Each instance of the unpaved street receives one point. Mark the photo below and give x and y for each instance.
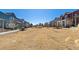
(41, 39)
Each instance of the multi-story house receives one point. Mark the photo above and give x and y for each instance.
(10, 21)
(68, 19)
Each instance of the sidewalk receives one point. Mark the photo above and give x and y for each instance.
(3, 33)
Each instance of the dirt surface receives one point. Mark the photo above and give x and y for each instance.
(41, 39)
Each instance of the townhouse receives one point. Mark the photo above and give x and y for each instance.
(10, 21)
(69, 19)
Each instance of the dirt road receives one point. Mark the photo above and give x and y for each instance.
(41, 39)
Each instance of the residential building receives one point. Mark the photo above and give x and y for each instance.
(69, 19)
(10, 21)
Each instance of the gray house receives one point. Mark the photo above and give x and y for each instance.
(10, 21)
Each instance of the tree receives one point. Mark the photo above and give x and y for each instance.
(40, 24)
(31, 25)
(46, 24)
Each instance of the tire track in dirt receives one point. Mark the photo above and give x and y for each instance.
(56, 39)
(41, 39)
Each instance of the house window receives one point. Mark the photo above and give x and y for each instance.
(65, 16)
(11, 18)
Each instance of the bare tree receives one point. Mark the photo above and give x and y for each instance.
(46, 24)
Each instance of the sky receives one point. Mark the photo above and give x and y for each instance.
(36, 16)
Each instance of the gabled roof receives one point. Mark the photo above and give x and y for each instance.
(10, 14)
(1, 12)
(77, 11)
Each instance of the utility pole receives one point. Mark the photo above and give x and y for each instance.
(3, 25)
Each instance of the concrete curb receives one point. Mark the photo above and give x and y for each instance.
(3, 33)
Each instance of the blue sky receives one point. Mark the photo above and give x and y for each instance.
(36, 16)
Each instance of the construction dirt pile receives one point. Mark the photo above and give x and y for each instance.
(41, 38)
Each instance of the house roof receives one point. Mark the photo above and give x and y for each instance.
(10, 14)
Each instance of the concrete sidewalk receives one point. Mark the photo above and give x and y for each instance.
(3, 33)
